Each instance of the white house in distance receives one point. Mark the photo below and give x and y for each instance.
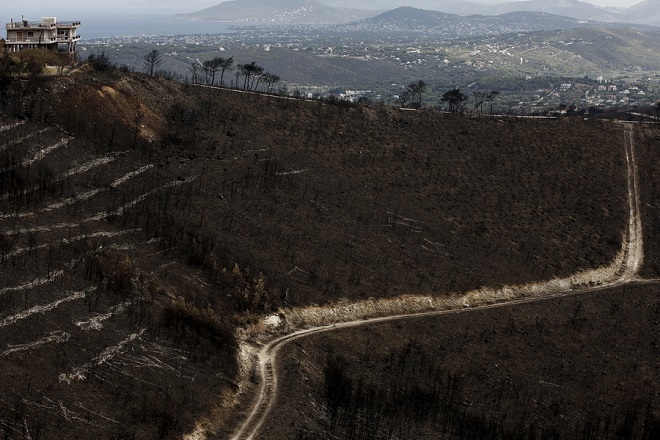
(46, 34)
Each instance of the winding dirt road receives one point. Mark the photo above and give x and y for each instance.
(625, 270)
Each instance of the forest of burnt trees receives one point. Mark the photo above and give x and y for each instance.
(542, 371)
(251, 196)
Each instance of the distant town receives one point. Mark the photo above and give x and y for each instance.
(577, 70)
(536, 72)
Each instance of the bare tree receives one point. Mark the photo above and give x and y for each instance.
(404, 97)
(226, 65)
(100, 62)
(209, 72)
(194, 71)
(258, 76)
(250, 73)
(270, 79)
(455, 98)
(215, 65)
(421, 88)
(490, 97)
(479, 98)
(152, 61)
(245, 70)
(417, 88)
(257, 73)
(61, 61)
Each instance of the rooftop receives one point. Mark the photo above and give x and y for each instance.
(45, 23)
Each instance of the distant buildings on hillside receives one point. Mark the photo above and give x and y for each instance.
(593, 95)
(45, 34)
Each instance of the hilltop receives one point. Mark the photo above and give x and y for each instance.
(144, 221)
(440, 24)
(343, 11)
(287, 11)
(647, 11)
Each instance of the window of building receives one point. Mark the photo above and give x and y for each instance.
(30, 34)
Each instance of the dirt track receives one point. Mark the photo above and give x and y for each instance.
(622, 271)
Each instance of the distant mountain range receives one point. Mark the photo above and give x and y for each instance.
(344, 11)
(407, 19)
(568, 8)
(647, 11)
(533, 15)
(279, 12)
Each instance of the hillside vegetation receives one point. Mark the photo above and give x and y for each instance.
(142, 221)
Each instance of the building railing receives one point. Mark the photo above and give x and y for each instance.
(71, 38)
(43, 40)
(40, 25)
(31, 40)
(27, 25)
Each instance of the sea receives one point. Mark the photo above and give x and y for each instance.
(126, 22)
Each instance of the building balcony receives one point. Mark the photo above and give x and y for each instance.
(25, 25)
(40, 25)
(69, 39)
(68, 24)
(30, 40)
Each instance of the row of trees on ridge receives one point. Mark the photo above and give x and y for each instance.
(206, 72)
(210, 72)
(248, 76)
(455, 99)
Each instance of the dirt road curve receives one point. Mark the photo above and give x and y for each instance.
(626, 271)
(635, 250)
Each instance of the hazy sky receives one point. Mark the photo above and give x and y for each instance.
(51, 8)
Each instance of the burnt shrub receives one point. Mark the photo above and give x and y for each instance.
(200, 332)
(116, 272)
(100, 62)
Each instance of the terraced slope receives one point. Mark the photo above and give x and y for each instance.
(95, 342)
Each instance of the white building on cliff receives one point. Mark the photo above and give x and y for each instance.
(46, 34)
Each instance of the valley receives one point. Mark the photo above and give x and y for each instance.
(604, 68)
